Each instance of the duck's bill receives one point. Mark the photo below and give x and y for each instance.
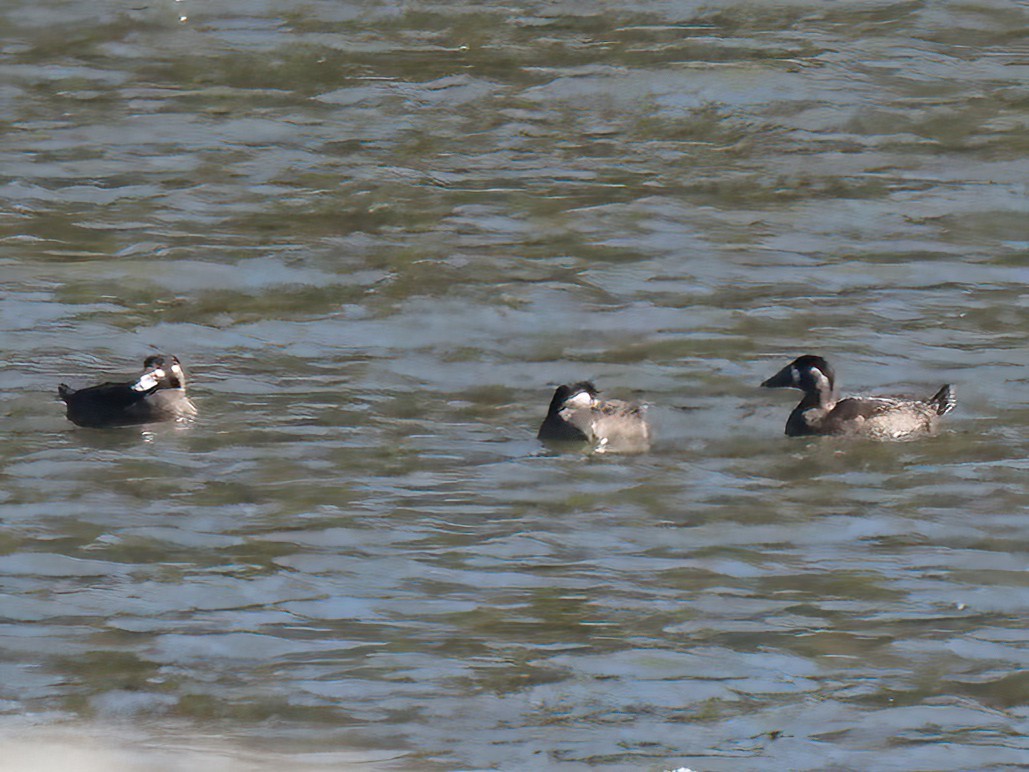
(149, 380)
(782, 379)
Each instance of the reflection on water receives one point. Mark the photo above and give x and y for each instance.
(378, 237)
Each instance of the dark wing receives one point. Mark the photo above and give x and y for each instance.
(862, 408)
(102, 405)
(944, 400)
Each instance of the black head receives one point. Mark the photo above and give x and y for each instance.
(162, 371)
(569, 393)
(808, 373)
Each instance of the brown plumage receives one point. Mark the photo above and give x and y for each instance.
(883, 418)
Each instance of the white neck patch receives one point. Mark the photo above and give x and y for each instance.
(147, 381)
(580, 400)
(821, 381)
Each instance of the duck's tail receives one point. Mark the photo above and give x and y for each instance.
(64, 392)
(944, 400)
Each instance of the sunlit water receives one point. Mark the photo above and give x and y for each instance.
(378, 236)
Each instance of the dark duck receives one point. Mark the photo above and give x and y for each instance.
(158, 394)
(577, 414)
(883, 418)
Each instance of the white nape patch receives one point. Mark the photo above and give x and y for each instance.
(820, 379)
(795, 372)
(580, 399)
(177, 370)
(147, 381)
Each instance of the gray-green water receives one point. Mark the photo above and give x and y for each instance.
(378, 235)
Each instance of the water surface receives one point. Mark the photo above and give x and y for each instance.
(378, 235)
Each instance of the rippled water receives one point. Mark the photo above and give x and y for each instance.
(378, 235)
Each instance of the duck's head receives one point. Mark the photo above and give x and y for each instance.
(574, 395)
(161, 371)
(808, 373)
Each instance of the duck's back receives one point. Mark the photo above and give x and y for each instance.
(108, 404)
(621, 426)
(882, 418)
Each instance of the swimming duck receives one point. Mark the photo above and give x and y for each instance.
(612, 426)
(159, 394)
(884, 418)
